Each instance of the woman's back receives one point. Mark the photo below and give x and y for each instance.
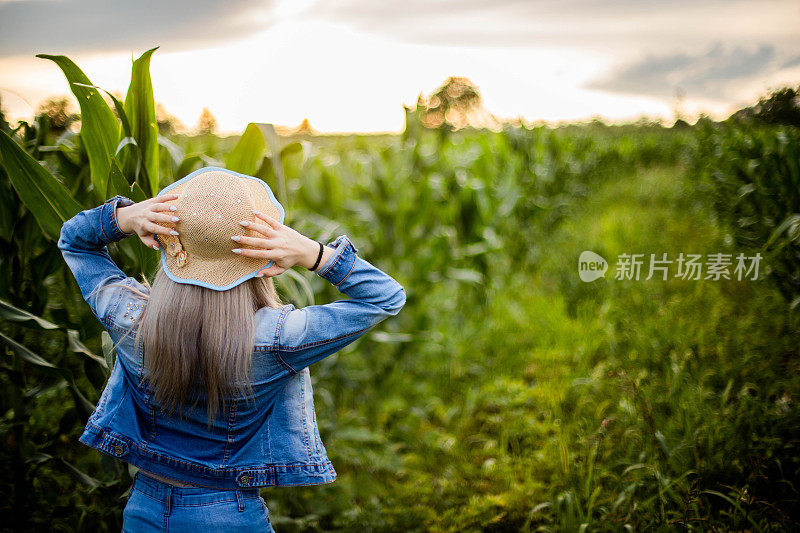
(269, 438)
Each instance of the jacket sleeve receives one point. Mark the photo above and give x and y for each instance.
(312, 333)
(83, 243)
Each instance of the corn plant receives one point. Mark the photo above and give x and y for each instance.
(753, 176)
(45, 181)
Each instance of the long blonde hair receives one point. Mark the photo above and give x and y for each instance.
(198, 339)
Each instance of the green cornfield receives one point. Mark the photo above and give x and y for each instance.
(508, 395)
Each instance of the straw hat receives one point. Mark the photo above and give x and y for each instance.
(211, 203)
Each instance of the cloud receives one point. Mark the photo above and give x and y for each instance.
(650, 24)
(70, 26)
(793, 62)
(476, 22)
(714, 74)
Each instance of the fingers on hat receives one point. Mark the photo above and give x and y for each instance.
(155, 229)
(163, 197)
(257, 253)
(162, 207)
(266, 218)
(150, 242)
(261, 228)
(273, 270)
(159, 217)
(255, 241)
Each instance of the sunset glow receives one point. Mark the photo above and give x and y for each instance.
(300, 61)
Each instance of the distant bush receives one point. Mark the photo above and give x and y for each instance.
(781, 107)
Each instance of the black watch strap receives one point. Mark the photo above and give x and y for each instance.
(319, 257)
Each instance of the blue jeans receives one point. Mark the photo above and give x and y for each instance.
(157, 506)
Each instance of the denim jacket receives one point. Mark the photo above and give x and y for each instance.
(268, 439)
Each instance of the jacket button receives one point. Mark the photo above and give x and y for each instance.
(118, 450)
(245, 480)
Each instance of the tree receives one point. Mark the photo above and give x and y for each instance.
(59, 111)
(167, 123)
(782, 106)
(305, 128)
(206, 124)
(456, 103)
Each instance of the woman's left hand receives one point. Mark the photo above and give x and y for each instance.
(281, 244)
(143, 217)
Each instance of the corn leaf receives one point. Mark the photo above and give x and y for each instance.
(190, 162)
(40, 191)
(15, 314)
(24, 353)
(271, 137)
(126, 126)
(141, 112)
(99, 127)
(175, 152)
(77, 346)
(247, 153)
(33, 359)
(117, 184)
(108, 350)
(81, 476)
(135, 248)
(246, 156)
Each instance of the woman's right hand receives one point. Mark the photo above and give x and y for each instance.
(281, 244)
(143, 218)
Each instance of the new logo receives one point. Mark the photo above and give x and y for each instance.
(591, 266)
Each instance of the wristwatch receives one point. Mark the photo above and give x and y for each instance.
(120, 201)
(124, 201)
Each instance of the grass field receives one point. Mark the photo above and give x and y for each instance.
(650, 404)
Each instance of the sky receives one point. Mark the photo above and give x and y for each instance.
(351, 65)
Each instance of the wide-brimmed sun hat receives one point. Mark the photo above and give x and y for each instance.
(210, 205)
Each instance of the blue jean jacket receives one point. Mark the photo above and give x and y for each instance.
(268, 439)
